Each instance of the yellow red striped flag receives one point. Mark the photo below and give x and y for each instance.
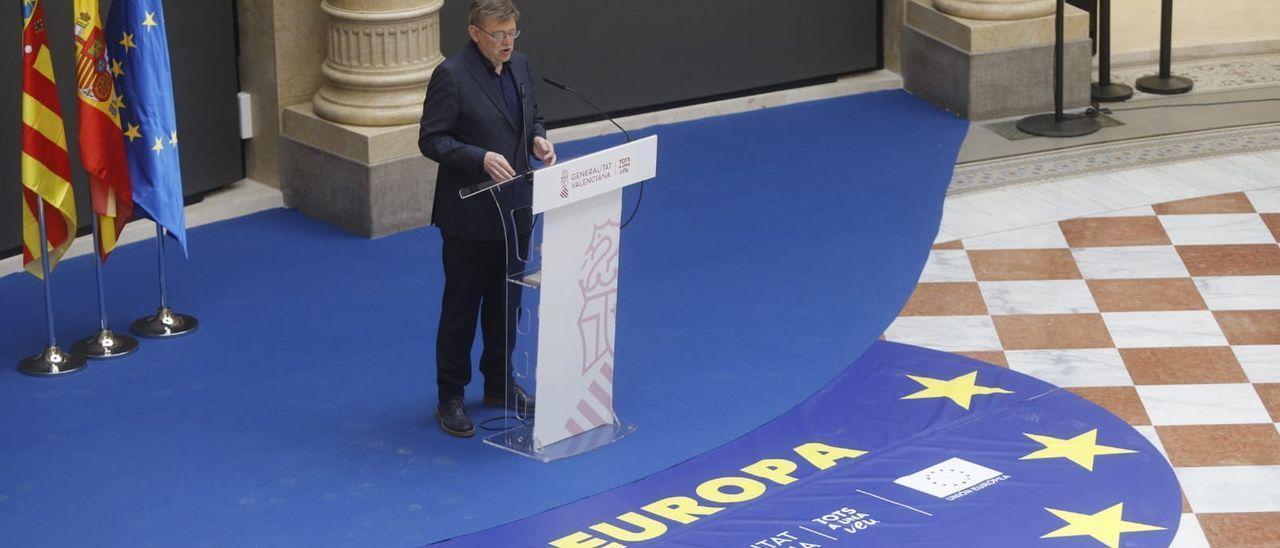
(46, 168)
(101, 138)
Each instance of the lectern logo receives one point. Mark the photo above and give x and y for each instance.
(598, 286)
(564, 183)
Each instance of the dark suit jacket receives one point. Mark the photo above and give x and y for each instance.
(464, 116)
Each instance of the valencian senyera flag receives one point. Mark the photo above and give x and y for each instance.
(101, 140)
(46, 168)
(136, 39)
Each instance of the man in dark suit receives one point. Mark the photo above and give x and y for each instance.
(480, 121)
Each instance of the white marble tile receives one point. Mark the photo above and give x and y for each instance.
(1072, 368)
(947, 265)
(1152, 436)
(1266, 200)
(967, 215)
(1270, 156)
(1038, 297)
(1190, 534)
(1112, 192)
(1143, 211)
(1224, 229)
(1240, 292)
(1102, 263)
(1261, 363)
(1170, 404)
(944, 235)
(1164, 329)
(1062, 200)
(1219, 175)
(948, 333)
(1156, 185)
(1040, 236)
(1246, 171)
(1225, 489)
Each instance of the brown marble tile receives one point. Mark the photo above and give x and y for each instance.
(1235, 202)
(992, 357)
(1250, 326)
(1146, 295)
(1270, 394)
(1052, 331)
(1122, 401)
(1114, 231)
(1273, 222)
(1241, 530)
(945, 299)
(1221, 444)
(1186, 504)
(953, 244)
(1231, 260)
(990, 265)
(1188, 365)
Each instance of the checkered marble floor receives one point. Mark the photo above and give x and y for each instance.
(1166, 314)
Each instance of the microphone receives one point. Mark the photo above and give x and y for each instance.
(564, 87)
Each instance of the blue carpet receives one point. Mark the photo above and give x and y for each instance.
(770, 252)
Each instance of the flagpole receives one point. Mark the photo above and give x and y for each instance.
(165, 323)
(105, 345)
(53, 361)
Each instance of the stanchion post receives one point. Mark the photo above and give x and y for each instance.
(105, 345)
(1165, 83)
(1058, 124)
(53, 361)
(1105, 91)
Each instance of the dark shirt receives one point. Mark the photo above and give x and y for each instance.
(506, 84)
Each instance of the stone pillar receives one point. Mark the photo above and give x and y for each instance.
(350, 157)
(996, 10)
(381, 53)
(985, 59)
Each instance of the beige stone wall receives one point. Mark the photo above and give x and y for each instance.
(282, 45)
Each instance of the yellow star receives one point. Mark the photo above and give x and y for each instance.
(117, 101)
(132, 133)
(159, 146)
(150, 21)
(117, 68)
(173, 140)
(960, 390)
(1105, 526)
(1080, 449)
(127, 42)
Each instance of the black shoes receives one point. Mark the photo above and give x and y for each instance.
(515, 398)
(454, 420)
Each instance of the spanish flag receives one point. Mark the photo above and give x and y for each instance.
(46, 168)
(101, 136)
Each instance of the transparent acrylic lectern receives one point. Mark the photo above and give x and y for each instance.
(564, 278)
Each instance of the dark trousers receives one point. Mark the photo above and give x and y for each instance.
(475, 281)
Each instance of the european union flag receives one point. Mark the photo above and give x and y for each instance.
(139, 49)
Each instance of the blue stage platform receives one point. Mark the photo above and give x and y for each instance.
(769, 254)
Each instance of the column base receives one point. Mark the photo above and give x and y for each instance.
(370, 181)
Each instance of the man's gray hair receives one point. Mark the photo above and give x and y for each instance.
(497, 10)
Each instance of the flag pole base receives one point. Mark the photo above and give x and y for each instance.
(105, 346)
(1159, 85)
(53, 362)
(1049, 125)
(165, 324)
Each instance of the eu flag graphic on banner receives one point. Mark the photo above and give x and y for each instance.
(137, 40)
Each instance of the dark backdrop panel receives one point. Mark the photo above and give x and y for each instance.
(202, 50)
(629, 55)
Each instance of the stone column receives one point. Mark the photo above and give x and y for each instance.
(985, 59)
(996, 10)
(350, 156)
(381, 53)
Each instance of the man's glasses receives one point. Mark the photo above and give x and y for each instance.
(500, 36)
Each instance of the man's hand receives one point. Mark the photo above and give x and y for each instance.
(544, 150)
(497, 167)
